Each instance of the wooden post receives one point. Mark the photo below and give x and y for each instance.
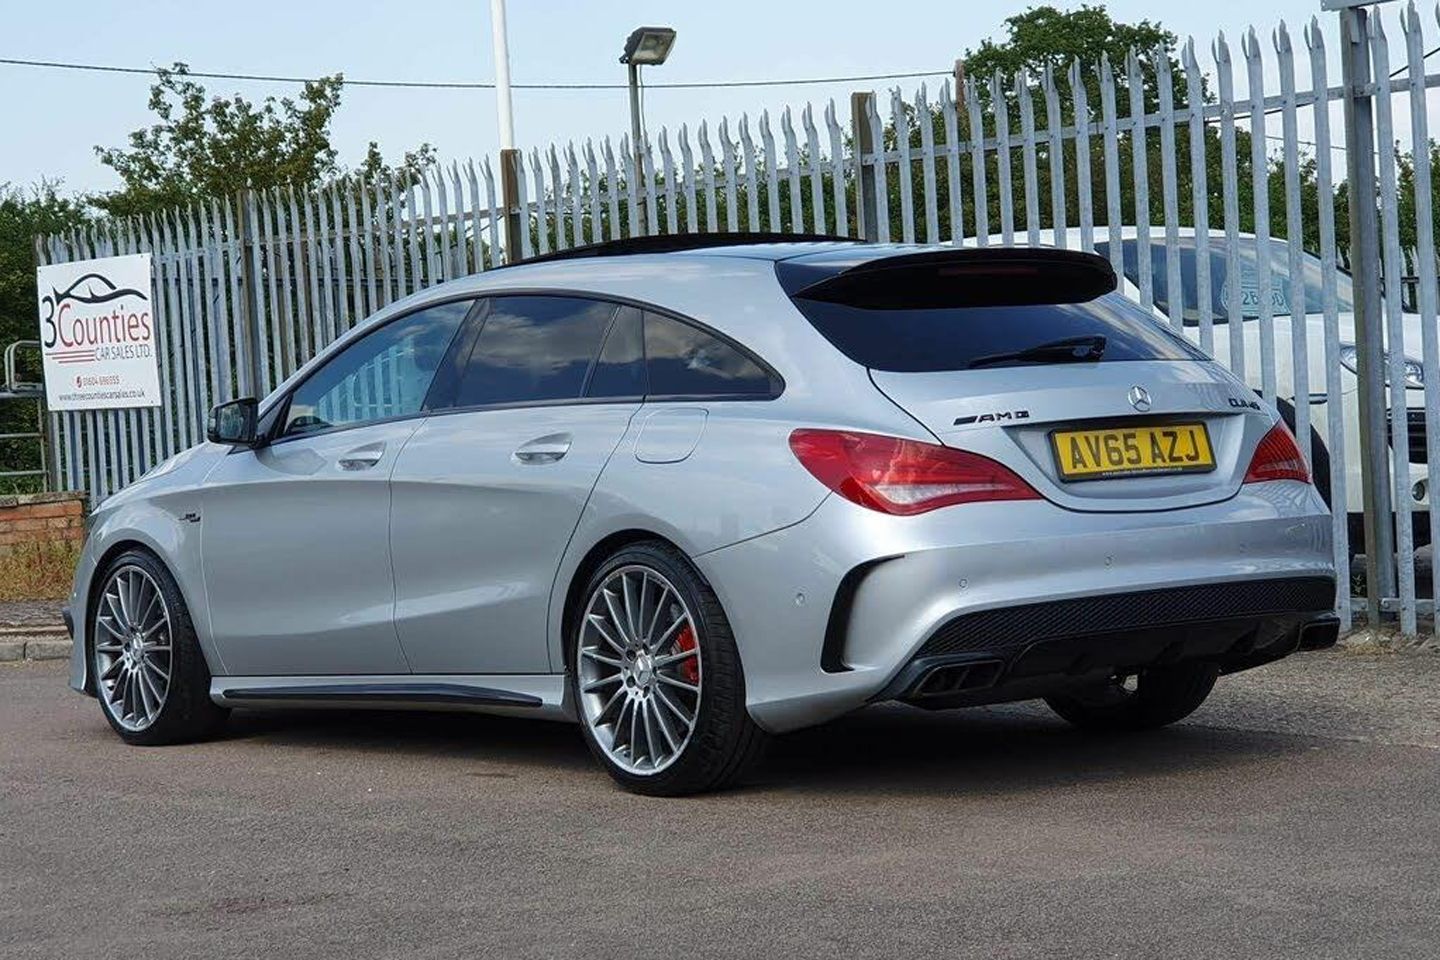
(510, 201)
(863, 142)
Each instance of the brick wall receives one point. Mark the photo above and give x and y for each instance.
(40, 518)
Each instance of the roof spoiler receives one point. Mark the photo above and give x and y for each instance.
(963, 277)
(677, 242)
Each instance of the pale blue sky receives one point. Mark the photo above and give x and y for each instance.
(52, 119)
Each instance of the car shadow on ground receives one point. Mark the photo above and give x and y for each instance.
(891, 749)
(454, 736)
(998, 751)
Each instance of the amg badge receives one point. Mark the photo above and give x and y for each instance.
(997, 417)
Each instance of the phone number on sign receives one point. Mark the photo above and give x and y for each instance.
(103, 380)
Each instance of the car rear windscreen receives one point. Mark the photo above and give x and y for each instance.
(930, 339)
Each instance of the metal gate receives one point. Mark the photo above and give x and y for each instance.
(1218, 206)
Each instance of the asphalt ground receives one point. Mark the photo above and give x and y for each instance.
(1297, 814)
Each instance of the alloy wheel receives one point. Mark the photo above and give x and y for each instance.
(133, 655)
(639, 669)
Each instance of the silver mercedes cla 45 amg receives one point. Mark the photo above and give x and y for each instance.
(691, 492)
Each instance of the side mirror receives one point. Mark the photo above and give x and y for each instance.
(233, 422)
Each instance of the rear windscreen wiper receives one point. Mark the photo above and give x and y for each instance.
(1066, 350)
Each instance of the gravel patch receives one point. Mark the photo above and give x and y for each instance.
(1341, 694)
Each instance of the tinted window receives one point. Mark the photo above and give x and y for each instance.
(620, 371)
(686, 361)
(1309, 291)
(532, 349)
(953, 338)
(384, 374)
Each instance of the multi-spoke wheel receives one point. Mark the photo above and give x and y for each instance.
(1150, 698)
(148, 670)
(132, 648)
(639, 669)
(657, 677)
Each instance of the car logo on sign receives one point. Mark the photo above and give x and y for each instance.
(1139, 398)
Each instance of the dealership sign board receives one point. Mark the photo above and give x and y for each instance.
(97, 334)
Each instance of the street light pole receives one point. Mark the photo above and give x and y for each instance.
(635, 124)
(499, 36)
(646, 46)
(509, 156)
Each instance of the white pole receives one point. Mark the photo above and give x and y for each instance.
(502, 74)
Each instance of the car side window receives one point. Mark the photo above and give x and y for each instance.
(685, 361)
(533, 349)
(620, 369)
(382, 375)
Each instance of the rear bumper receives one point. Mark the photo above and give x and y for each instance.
(1032, 650)
(829, 612)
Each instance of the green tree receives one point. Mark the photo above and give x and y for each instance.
(1044, 38)
(202, 147)
(24, 214)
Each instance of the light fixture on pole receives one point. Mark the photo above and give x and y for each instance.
(645, 47)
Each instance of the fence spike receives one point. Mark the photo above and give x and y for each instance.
(687, 163)
(901, 123)
(1084, 182)
(1054, 123)
(612, 193)
(925, 120)
(1260, 191)
(752, 187)
(1000, 116)
(772, 179)
(707, 157)
(792, 163)
(667, 161)
(837, 170)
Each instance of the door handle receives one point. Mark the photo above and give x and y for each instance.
(547, 449)
(362, 458)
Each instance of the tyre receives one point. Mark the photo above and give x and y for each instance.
(656, 676)
(1152, 698)
(150, 674)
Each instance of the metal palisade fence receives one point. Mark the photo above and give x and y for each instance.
(1157, 163)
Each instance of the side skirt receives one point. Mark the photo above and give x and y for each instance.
(541, 696)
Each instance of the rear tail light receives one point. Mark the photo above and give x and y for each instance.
(903, 477)
(1278, 457)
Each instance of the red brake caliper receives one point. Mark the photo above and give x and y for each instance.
(690, 666)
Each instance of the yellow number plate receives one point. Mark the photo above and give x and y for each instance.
(1127, 451)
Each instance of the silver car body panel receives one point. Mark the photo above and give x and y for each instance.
(295, 554)
(485, 548)
(1086, 392)
(984, 556)
(476, 530)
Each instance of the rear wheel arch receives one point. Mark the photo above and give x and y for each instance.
(718, 741)
(589, 563)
